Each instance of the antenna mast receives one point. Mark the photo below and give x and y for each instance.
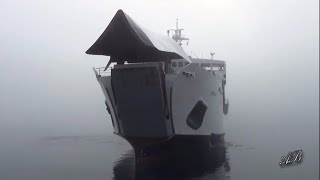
(177, 34)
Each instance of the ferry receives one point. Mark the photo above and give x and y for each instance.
(155, 93)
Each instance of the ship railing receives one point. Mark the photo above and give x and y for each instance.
(101, 71)
(177, 66)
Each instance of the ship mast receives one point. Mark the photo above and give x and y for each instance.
(177, 34)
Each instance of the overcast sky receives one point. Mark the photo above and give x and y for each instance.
(271, 48)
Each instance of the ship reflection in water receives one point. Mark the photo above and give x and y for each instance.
(188, 163)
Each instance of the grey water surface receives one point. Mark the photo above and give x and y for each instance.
(53, 121)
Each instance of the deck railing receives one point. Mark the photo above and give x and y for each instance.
(102, 72)
(170, 68)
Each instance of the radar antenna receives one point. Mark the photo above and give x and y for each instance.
(177, 36)
(212, 54)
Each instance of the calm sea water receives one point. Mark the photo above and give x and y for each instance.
(53, 121)
(253, 152)
(57, 130)
(50, 133)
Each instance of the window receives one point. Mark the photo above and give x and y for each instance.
(174, 64)
(186, 63)
(205, 65)
(180, 64)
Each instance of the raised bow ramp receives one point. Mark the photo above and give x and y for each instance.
(124, 40)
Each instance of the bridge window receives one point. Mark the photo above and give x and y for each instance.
(174, 64)
(205, 64)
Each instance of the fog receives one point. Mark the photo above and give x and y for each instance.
(271, 47)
